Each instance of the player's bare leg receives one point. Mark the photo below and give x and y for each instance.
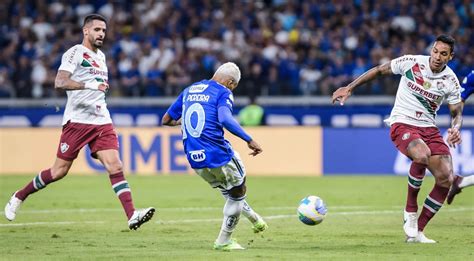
(59, 169)
(419, 152)
(111, 161)
(458, 184)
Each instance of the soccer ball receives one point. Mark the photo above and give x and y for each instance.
(312, 210)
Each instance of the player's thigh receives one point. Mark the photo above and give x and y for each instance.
(409, 141)
(106, 140)
(74, 137)
(225, 177)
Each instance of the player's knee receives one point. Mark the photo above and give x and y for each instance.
(59, 172)
(238, 192)
(422, 156)
(114, 166)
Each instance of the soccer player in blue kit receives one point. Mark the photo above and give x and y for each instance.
(467, 88)
(203, 110)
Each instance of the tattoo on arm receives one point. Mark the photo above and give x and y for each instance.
(63, 81)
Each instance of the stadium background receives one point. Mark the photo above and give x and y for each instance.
(293, 54)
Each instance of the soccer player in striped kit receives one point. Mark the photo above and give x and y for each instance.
(83, 75)
(426, 81)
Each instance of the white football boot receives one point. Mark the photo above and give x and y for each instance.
(12, 207)
(420, 238)
(139, 217)
(410, 224)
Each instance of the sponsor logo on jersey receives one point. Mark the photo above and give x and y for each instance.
(405, 58)
(198, 98)
(198, 88)
(418, 114)
(425, 94)
(71, 57)
(98, 72)
(64, 147)
(406, 136)
(197, 155)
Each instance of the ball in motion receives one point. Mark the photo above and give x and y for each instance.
(312, 210)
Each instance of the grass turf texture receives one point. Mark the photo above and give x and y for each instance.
(80, 218)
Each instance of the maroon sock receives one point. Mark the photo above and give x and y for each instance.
(433, 204)
(121, 188)
(415, 178)
(38, 182)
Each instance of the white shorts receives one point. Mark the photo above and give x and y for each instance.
(225, 177)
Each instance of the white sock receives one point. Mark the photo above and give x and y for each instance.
(232, 210)
(467, 181)
(247, 211)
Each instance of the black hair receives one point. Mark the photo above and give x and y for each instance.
(447, 40)
(91, 17)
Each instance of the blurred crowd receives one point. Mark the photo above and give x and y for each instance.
(156, 48)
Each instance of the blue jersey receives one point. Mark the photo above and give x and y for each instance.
(203, 134)
(467, 86)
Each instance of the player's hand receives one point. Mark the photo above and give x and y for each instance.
(454, 137)
(256, 149)
(104, 87)
(341, 95)
(97, 86)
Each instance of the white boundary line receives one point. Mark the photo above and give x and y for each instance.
(88, 210)
(362, 213)
(183, 221)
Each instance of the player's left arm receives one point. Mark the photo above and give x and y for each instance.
(172, 116)
(227, 120)
(454, 135)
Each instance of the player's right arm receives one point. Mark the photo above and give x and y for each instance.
(172, 116)
(63, 81)
(343, 93)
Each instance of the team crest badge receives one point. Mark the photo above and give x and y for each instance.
(426, 85)
(64, 147)
(440, 85)
(406, 136)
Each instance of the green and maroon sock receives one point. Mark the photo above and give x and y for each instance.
(433, 204)
(415, 179)
(38, 182)
(122, 190)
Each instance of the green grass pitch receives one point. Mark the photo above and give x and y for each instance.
(80, 218)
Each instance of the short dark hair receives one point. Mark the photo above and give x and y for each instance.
(91, 17)
(449, 40)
